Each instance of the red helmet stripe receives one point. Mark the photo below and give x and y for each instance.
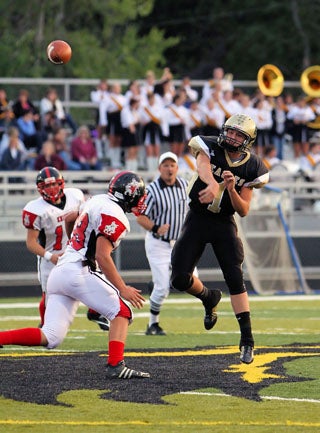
(116, 177)
(47, 170)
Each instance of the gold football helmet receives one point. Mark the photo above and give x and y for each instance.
(243, 124)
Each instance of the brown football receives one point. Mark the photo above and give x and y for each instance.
(59, 52)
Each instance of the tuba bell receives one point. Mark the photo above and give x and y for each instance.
(270, 80)
(310, 81)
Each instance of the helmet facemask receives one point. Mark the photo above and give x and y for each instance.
(50, 184)
(243, 124)
(233, 145)
(51, 189)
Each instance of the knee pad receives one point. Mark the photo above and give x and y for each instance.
(181, 282)
(238, 290)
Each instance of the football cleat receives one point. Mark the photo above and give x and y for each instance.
(155, 329)
(210, 303)
(246, 354)
(120, 371)
(100, 320)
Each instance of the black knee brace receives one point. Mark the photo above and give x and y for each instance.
(181, 282)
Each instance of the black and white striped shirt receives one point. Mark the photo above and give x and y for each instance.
(167, 204)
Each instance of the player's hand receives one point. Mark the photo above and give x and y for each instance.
(208, 194)
(55, 258)
(229, 180)
(162, 230)
(133, 295)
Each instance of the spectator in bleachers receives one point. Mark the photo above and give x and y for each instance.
(83, 150)
(109, 112)
(177, 116)
(100, 94)
(12, 157)
(165, 87)
(49, 158)
(214, 117)
(6, 113)
(264, 125)
(229, 104)
(278, 129)
(219, 81)
(12, 134)
(309, 161)
(133, 91)
(24, 103)
(270, 158)
(31, 137)
(52, 111)
(131, 133)
(152, 117)
(246, 107)
(300, 114)
(192, 94)
(195, 120)
(60, 140)
(148, 84)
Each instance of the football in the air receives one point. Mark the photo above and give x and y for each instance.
(59, 52)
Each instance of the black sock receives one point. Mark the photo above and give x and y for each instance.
(203, 294)
(245, 329)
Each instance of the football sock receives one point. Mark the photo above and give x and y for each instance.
(203, 294)
(116, 351)
(154, 317)
(245, 329)
(154, 312)
(42, 308)
(22, 337)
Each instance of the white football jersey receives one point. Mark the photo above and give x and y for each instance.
(100, 215)
(49, 219)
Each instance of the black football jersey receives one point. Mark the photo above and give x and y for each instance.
(249, 172)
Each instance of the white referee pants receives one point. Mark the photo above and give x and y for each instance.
(158, 254)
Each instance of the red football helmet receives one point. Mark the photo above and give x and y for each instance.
(50, 184)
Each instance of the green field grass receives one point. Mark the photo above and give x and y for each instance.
(197, 383)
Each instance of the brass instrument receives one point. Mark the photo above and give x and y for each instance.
(310, 81)
(270, 80)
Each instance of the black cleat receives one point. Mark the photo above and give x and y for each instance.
(100, 320)
(246, 354)
(1, 347)
(210, 303)
(155, 329)
(120, 371)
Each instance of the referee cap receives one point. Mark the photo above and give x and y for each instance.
(168, 155)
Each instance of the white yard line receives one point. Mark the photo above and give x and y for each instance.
(188, 300)
(264, 397)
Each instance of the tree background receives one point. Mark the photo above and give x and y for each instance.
(124, 38)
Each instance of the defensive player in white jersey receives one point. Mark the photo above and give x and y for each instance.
(86, 273)
(44, 219)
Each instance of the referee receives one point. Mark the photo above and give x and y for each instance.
(166, 207)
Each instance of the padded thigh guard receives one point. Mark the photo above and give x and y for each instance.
(181, 282)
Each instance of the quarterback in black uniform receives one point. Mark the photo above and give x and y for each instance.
(226, 174)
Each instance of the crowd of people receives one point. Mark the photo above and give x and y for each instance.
(131, 126)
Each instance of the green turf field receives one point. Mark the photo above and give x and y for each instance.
(197, 383)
